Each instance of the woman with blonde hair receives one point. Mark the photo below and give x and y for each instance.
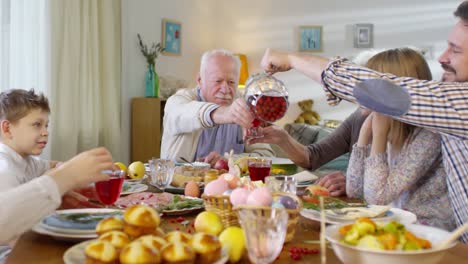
(394, 162)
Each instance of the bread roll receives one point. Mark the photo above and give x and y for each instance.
(101, 252)
(140, 220)
(178, 236)
(142, 215)
(152, 241)
(207, 247)
(109, 224)
(136, 252)
(159, 232)
(179, 253)
(117, 238)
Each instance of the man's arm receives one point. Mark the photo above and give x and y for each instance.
(184, 114)
(437, 106)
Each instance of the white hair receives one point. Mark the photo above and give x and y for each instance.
(207, 56)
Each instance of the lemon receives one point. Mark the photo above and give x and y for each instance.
(233, 241)
(208, 222)
(136, 170)
(121, 167)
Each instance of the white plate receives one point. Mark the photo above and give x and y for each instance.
(135, 188)
(399, 215)
(282, 161)
(76, 228)
(76, 255)
(62, 236)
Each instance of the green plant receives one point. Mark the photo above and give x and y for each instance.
(152, 53)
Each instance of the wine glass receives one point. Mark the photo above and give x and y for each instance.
(109, 191)
(267, 98)
(265, 231)
(259, 168)
(161, 171)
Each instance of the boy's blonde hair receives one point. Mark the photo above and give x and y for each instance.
(403, 62)
(17, 103)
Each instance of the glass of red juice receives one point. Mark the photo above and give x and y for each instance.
(259, 168)
(109, 191)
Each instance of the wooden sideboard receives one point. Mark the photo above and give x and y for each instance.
(147, 115)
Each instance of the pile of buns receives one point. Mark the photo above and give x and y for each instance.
(137, 238)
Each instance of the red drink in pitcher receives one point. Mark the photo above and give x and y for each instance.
(271, 108)
(109, 191)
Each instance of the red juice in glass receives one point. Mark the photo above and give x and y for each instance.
(109, 191)
(259, 169)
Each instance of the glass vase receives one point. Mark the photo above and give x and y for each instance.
(152, 82)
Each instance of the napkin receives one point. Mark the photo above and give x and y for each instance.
(305, 176)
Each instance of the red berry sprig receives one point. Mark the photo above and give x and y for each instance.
(296, 253)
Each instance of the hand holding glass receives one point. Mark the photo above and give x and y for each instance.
(109, 191)
(161, 171)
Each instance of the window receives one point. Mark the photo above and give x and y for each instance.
(24, 45)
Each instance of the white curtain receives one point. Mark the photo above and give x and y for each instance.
(25, 47)
(85, 86)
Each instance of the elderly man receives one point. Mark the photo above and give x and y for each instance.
(204, 122)
(440, 107)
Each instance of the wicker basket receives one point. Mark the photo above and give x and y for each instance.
(221, 205)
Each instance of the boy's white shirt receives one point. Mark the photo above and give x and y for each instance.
(25, 196)
(16, 170)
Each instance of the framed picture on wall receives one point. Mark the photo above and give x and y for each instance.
(310, 38)
(363, 35)
(171, 37)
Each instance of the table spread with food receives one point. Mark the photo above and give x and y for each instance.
(190, 213)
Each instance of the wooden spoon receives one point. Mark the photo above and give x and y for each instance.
(453, 236)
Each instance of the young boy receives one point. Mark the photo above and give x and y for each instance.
(24, 120)
(25, 195)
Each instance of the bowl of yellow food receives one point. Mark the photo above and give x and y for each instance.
(366, 241)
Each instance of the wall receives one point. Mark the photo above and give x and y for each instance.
(250, 27)
(144, 17)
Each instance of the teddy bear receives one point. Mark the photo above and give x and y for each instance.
(307, 116)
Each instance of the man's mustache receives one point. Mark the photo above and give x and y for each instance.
(447, 68)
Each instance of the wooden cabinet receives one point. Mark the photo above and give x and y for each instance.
(147, 114)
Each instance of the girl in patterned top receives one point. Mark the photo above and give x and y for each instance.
(398, 163)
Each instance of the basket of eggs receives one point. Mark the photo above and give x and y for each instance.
(223, 197)
(137, 238)
(217, 197)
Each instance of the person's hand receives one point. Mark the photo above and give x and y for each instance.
(381, 124)
(271, 134)
(72, 199)
(212, 158)
(335, 183)
(275, 61)
(365, 133)
(83, 169)
(236, 113)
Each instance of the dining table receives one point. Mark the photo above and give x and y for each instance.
(35, 248)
